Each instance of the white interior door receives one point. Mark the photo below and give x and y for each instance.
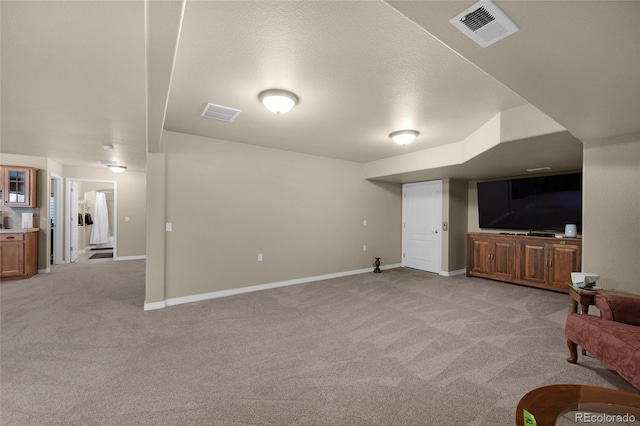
(74, 221)
(421, 228)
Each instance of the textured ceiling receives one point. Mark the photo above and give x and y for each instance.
(577, 61)
(75, 74)
(73, 79)
(360, 69)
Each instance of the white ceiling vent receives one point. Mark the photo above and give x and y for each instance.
(484, 23)
(220, 112)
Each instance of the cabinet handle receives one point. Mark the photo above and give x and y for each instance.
(11, 238)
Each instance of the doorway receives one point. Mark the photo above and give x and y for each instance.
(421, 224)
(56, 252)
(83, 197)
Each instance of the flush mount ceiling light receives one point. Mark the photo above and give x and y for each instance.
(404, 137)
(108, 147)
(115, 168)
(277, 100)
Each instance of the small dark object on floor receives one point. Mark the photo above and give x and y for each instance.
(377, 263)
(101, 256)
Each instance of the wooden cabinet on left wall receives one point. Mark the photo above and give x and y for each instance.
(19, 186)
(18, 254)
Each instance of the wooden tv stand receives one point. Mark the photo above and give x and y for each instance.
(541, 262)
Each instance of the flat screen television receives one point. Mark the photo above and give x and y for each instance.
(542, 203)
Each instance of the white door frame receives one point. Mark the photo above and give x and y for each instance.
(58, 219)
(74, 198)
(437, 225)
(67, 215)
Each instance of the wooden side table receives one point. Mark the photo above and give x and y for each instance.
(584, 298)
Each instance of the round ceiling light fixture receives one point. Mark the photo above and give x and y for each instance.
(277, 100)
(404, 137)
(115, 168)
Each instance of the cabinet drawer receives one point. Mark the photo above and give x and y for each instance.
(12, 237)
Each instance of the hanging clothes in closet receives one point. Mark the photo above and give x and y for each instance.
(100, 229)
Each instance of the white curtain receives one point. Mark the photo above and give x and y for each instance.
(100, 228)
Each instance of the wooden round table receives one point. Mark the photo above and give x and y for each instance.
(548, 403)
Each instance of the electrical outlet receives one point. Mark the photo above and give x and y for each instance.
(169, 227)
(126, 219)
(364, 222)
(260, 257)
(364, 248)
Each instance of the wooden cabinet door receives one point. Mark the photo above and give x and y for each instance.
(563, 260)
(19, 186)
(504, 259)
(31, 254)
(480, 255)
(11, 259)
(532, 266)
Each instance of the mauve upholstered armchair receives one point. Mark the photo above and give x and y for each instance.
(613, 337)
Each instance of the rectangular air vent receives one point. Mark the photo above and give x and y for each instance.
(220, 112)
(484, 23)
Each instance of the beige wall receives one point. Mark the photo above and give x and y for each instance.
(228, 202)
(456, 196)
(611, 213)
(156, 214)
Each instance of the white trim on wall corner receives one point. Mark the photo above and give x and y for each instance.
(143, 256)
(453, 273)
(232, 292)
(44, 271)
(154, 305)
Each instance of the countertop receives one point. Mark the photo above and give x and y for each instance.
(18, 230)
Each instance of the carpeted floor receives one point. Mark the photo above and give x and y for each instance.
(399, 348)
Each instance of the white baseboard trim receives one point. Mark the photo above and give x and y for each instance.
(44, 271)
(143, 256)
(242, 290)
(453, 273)
(154, 305)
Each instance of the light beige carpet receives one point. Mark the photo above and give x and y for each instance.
(399, 348)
